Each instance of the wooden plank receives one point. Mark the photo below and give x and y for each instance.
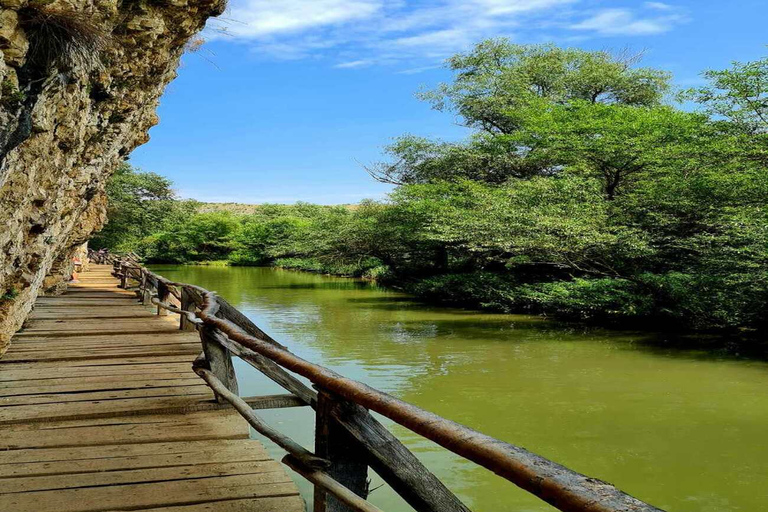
(77, 340)
(110, 344)
(98, 383)
(12, 375)
(96, 293)
(124, 476)
(209, 426)
(86, 453)
(76, 290)
(91, 329)
(269, 504)
(71, 301)
(106, 314)
(153, 494)
(148, 405)
(195, 389)
(147, 360)
(71, 355)
(151, 455)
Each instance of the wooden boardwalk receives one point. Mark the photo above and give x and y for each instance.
(101, 411)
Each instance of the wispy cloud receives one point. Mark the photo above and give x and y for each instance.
(659, 6)
(357, 33)
(353, 64)
(625, 22)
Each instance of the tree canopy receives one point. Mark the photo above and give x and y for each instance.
(583, 191)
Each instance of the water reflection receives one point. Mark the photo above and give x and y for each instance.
(679, 428)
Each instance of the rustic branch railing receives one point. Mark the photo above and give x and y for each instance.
(348, 439)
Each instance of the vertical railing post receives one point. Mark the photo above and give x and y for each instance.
(333, 443)
(218, 358)
(187, 304)
(146, 293)
(123, 275)
(163, 292)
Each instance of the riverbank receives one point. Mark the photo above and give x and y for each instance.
(736, 344)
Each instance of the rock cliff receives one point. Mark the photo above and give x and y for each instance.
(79, 85)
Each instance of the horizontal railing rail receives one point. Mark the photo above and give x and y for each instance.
(348, 439)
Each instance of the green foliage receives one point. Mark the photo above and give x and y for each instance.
(10, 95)
(9, 294)
(140, 204)
(504, 92)
(580, 194)
(738, 94)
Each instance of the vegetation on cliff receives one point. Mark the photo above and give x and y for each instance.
(582, 192)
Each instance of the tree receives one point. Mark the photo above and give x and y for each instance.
(738, 94)
(613, 143)
(500, 90)
(138, 204)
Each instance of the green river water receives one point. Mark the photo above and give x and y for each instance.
(683, 430)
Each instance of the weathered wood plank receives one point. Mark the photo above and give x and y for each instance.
(268, 504)
(95, 384)
(107, 314)
(72, 302)
(194, 389)
(13, 374)
(118, 353)
(154, 494)
(209, 426)
(147, 360)
(134, 456)
(129, 324)
(148, 405)
(124, 476)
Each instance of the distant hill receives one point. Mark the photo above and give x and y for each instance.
(242, 208)
(239, 208)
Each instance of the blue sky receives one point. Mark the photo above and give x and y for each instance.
(288, 98)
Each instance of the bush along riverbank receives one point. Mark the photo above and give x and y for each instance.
(583, 193)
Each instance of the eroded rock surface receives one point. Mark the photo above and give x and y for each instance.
(79, 85)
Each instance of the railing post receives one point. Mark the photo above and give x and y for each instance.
(123, 275)
(218, 358)
(146, 294)
(187, 304)
(348, 465)
(162, 295)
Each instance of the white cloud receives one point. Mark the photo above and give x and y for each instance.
(625, 22)
(259, 18)
(415, 71)
(356, 33)
(659, 6)
(353, 64)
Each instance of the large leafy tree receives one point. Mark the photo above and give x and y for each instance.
(139, 204)
(500, 90)
(738, 94)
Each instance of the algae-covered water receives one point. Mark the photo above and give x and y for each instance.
(684, 430)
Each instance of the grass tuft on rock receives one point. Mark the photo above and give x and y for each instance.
(64, 38)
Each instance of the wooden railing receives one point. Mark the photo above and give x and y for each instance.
(348, 439)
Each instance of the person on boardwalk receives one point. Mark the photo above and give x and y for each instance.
(78, 265)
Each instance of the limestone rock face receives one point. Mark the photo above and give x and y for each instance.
(69, 113)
